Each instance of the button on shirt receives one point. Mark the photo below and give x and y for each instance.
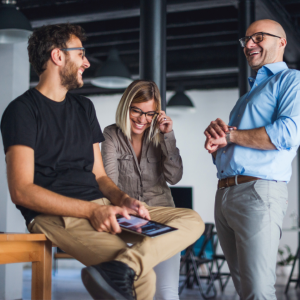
(274, 103)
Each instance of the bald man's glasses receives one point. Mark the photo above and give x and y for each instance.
(256, 38)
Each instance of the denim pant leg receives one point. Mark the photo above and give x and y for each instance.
(255, 211)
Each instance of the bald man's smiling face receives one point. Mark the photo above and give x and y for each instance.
(270, 50)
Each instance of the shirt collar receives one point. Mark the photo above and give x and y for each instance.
(268, 70)
(276, 67)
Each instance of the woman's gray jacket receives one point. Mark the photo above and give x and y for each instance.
(145, 181)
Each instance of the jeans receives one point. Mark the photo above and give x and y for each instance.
(249, 220)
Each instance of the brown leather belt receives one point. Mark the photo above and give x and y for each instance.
(236, 180)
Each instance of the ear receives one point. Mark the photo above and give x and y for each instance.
(57, 57)
(282, 43)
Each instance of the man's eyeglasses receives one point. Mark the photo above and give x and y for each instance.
(71, 49)
(256, 38)
(136, 112)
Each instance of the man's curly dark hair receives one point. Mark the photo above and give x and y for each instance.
(44, 39)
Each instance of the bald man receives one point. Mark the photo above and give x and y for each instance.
(253, 156)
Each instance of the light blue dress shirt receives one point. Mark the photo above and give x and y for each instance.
(272, 102)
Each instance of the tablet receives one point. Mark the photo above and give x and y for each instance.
(144, 227)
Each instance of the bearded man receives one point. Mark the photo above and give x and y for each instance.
(254, 159)
(57, 179)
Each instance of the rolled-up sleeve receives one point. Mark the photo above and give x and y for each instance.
(284, 133)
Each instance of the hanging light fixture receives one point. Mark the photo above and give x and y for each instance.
(14, 26)
(180, 102)
(113, 74)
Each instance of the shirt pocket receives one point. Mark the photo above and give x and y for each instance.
(125, 164)
(154, 165)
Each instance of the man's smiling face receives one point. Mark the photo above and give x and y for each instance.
(75, 64)
(270, 50)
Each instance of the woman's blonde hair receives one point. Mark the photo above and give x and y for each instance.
(137, 92)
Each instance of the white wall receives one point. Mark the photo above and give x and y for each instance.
(199, 171)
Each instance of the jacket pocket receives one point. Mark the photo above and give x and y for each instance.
(125, 164)
(154, 166)
(153, 159)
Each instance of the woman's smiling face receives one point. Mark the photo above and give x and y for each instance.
(140, 124)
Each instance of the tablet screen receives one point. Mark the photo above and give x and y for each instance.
(144, 227)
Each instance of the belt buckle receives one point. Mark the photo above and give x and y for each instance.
(235, 179)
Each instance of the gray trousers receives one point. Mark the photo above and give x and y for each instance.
(249, 220)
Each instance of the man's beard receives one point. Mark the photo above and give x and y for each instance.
(68, 76)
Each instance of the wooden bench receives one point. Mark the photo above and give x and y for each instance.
(30, 247)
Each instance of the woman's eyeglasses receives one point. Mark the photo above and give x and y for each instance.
(136, 112)
(256, 38)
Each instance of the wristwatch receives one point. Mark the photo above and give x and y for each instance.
(227, 137)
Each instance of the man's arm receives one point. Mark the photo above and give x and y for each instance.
(23, 191)
(106, 185)
(254, 138)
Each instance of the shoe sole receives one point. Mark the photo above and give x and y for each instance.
(97, 286)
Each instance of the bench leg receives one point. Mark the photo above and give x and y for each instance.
(41, 273)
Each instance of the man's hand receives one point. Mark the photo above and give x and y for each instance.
(212, 144)
(103, 218)
(217, 129)
(135, 207)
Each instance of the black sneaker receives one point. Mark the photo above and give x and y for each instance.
(111, 280)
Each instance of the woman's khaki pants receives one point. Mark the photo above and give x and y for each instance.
(78, 238)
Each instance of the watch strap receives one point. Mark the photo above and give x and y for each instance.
(227, 137)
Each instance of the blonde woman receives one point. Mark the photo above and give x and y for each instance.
(140, 156)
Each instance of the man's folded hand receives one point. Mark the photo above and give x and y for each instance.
(217, 129)
(212, 144)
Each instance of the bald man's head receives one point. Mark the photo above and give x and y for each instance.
(266, 45)
(267, 25)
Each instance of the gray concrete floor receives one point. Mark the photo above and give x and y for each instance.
(67, 285)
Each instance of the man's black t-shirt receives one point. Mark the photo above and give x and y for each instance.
(62, 135)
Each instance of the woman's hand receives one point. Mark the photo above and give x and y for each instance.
(135, 207)
(164, 122)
